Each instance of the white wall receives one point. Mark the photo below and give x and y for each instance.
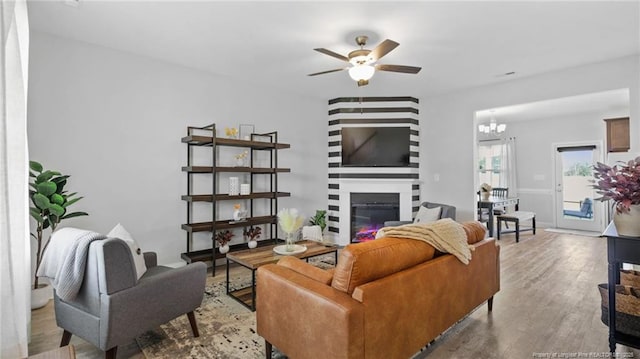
(114, 120)
(448, 130)
(534, 152)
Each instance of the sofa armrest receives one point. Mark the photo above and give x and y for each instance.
(306, 269)
(289, 302)
(150, 259)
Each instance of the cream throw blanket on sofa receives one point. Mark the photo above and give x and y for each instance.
(445, 235)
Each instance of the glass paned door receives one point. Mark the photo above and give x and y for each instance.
(575, 205)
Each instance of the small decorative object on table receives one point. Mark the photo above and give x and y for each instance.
(234, 186)
(231, 132)
(290, 222)
(253, 234)
(485, 191)
(223, 239)
(621, 183)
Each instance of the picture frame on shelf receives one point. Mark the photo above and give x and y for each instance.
(246, 130)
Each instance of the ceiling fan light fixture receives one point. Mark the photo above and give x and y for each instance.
(362, 72)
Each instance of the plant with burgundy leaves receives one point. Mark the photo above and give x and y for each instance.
(253, 233)
(620, 183)
(224, 237)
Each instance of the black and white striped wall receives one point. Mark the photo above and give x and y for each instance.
(370, 112)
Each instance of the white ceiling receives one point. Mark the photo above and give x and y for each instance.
(458, 44)
(600, 102)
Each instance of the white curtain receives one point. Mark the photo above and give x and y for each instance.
(508, 160)
(15, 253)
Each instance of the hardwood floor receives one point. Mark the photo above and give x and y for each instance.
(548, 303)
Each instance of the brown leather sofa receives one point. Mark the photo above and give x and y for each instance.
(386, 298)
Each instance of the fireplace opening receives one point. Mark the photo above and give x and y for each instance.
(369, 211)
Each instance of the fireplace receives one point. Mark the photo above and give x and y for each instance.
(369, 211)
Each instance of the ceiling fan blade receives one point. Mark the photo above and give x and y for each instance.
(384, 48)
(399, 68)
(333, 54)
(327, 72)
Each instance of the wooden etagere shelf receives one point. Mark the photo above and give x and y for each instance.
(209, 169)
(225, 197)
(232, 142)
(259, 142)
(206, 226)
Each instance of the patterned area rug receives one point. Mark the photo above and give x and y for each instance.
(227, 329)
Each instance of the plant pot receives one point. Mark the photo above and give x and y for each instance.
(252, 244)
(628, 224)
(41, 296)
(485, 196)
(224, 249)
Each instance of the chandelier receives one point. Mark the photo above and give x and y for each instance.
(493, 127)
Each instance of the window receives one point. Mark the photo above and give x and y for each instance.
(490, 169)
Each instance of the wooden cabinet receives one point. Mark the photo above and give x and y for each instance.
(205, 139)
(618, 139)
(620, 250)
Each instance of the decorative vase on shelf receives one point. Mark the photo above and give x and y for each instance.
(628, 224)
(239, 162)
(224, 249)
(252, 244)
(234, 186)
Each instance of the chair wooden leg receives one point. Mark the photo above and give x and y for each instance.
(517, 231)
(533, 224)
(194, 325)
(111, 353)
(66, 338)
(490, 303)
(267, 349)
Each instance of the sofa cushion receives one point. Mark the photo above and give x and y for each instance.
(475, 231)
(365, 262)
(426, 215)
(138, 258)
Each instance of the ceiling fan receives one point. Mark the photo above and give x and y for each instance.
(363, 61)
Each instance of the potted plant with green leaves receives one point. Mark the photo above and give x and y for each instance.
(621, 184)
(319, 219)
(50, 205)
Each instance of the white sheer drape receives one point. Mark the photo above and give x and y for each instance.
(508, 160)
(15, 253)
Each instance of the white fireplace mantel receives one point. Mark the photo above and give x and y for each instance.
(404, 187)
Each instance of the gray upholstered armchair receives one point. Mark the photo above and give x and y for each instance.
(112, 307)
(447, 212)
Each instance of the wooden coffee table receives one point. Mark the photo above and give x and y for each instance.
(254, 258)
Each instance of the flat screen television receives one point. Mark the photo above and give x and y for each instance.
(375, 146)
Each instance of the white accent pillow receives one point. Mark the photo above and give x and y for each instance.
(426, 215)
(313, 233)
(138, 258)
